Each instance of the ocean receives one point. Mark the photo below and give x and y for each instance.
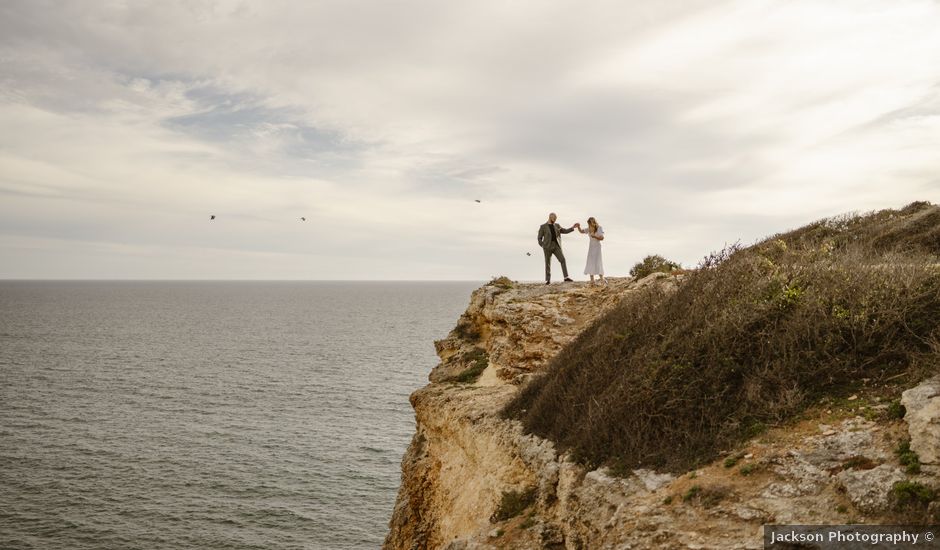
(229, 415)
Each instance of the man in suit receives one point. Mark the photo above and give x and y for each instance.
(550, 241)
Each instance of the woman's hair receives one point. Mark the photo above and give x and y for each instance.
(592, 225)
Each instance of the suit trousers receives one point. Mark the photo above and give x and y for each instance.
(554, 249)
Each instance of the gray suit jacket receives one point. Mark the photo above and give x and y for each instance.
(545, 234)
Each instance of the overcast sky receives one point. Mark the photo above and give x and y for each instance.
(679, 125)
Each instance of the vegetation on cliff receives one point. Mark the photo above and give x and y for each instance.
(668, 379)
(654, 263)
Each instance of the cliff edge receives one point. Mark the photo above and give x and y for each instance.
(866, 452)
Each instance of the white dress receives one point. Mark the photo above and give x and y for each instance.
(595, 264)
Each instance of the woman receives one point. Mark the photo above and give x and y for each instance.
(595, 264)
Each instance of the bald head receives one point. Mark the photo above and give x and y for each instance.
(552, 217)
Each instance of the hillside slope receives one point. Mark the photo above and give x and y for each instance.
(750, 339)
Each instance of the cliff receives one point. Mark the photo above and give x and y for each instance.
(473, 479)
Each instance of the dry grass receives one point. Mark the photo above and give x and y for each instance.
(749, 339)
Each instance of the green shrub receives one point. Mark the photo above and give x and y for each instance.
(896, 410)
(731, 461)
(754, 429)
(749, 469)
(478, 360)
(513, 503)
(760, 333)
(911, 494)
(652, 264)
(907, 457)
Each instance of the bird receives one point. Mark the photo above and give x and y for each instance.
(528, 253)
(212, 217)
(476, 200)
(303, 219)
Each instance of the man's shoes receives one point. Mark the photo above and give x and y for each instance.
(548, 282)
(568, 280)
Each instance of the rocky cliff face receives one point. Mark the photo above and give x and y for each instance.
(471, 479)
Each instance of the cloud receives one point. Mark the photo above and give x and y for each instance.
(680, 127)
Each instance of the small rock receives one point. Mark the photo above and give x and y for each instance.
(651, 480)
(749, 456)
(933, 512)
(748, 513)
(827, 433)
(853, 398)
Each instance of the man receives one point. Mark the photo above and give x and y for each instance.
(550, 241)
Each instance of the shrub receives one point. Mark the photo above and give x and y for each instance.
(466, 330)
(513, 503)
(667, 378)
(731, 461)
(652, 264)
(896, 410)
(749, 469)
(502, 282)
(911, 494)
(478, 360)
(907, 457)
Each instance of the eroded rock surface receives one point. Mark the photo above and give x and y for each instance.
(465, 459)
(923, 418)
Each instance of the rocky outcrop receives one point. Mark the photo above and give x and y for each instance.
(471, 479)
(922, 404)
(463, 457)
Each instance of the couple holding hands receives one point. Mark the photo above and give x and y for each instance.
(550, 241)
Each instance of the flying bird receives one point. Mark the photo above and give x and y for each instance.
(212, 217)
(303, 219)
(476, 200)
(528, 253)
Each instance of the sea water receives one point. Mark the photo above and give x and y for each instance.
(210, 414)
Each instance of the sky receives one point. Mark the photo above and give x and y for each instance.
(680, 126)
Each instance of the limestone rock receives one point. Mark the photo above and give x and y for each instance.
(653, 480)
(923, 419)
(465, 457)
(869, 489)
